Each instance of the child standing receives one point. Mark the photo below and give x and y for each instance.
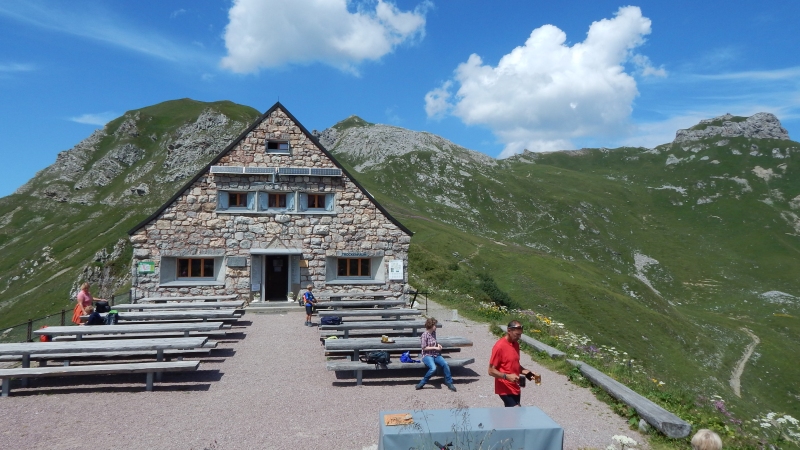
(310, 301)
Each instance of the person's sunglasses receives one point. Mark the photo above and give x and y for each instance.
(515, 328)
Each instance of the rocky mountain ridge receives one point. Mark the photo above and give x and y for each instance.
(758, 126)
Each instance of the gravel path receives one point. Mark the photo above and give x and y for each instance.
(267, 387)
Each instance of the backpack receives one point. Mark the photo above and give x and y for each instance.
(376, 357)
(330, 320)
(112, 318)
(95, 319)
(406, 358)
(102, 307)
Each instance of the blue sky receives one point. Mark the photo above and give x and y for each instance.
(494, 76)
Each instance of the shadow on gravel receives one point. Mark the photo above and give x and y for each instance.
(95, 384)
(241, 323)
(232, 337)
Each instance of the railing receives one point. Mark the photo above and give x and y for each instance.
(24, 332)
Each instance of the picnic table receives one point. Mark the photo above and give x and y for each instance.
(195, 298)
(204, 315)
(400, 344)
(80, 331)
(359, 303)
(179, 306)
(391, 312)
(26, 349)
(376, 295)
(414, 325)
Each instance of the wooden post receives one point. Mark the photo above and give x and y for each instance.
(30, 330)
(63, 317)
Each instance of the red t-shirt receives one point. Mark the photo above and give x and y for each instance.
(505, 358)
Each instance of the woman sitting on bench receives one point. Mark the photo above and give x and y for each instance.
(432, 355)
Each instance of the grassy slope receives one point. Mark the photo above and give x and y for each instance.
(521, 222)
(75, 232)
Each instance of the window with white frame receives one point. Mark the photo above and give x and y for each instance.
(236, 200)
(354, 270)
(191, 270)
(276, 201)
(313, 202)
(278, 147)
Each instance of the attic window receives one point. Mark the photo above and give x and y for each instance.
(278, 147)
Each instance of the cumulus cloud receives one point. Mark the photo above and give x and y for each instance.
(272, 33)
(545, 93)
(95, 119)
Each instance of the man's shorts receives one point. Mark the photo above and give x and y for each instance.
(510, 400)
(309, 309)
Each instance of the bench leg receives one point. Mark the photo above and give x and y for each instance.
(359, 377)
(346, 334)
(159, 358)
(26, 363)
(6, 386)
(149, 381)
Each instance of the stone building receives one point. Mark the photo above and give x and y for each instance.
(269, 215)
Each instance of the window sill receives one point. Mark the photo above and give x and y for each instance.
(188, 283)
(273, 212)
(358, 282)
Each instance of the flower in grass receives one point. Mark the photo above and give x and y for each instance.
(624, 441)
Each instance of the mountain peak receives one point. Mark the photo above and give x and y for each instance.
(758, 126)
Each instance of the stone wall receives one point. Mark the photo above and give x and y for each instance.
(191, 225)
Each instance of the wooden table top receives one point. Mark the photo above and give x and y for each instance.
(400, 343)
(371, 312)
(123, 328)
(211, 306)
(100, 345)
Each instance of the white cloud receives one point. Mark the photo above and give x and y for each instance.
(98, 24)
(95, 119)
(545, 93)
(176, 13)
(16, 67)
(272, 33)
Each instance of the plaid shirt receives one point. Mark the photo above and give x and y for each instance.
(428, 339)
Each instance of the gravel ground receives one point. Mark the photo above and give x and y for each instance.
(267, 387)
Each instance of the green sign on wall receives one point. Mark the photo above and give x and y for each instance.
(146, 267)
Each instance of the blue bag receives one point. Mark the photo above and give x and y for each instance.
(406, 358)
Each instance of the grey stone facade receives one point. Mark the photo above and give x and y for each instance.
(256, 250)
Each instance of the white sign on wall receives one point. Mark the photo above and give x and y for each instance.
(396, 269)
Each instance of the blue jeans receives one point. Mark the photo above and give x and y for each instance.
(431, 362)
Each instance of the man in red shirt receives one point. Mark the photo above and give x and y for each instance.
(504, 365)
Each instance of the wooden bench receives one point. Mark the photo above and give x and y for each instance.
(385, 313)
(196, 298)
(358, 345)
(359, 366)
(125, 330)
(178, 306)
(65, 358)
(202, 315)
(376, 295)
(360, 304)
(100, 369)
(413, 325)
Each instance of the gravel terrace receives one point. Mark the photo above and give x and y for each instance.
(266, 387)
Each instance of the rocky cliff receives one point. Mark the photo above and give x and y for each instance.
(758, 126)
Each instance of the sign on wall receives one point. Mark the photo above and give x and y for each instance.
(396, 269)
(146, 267)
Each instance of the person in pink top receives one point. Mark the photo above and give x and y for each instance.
(84, 300)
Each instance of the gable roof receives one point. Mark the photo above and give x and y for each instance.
(244, 134)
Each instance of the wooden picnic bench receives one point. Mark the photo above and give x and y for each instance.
(195, 298)
(414, 325)
(140, 329)
(178, 306)
(357, 345)
(203, 315)
(376, 295)
(359, 366)
(385, 313)
(26, 349)
(169, 354)
(100, 369)
(360, 304)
